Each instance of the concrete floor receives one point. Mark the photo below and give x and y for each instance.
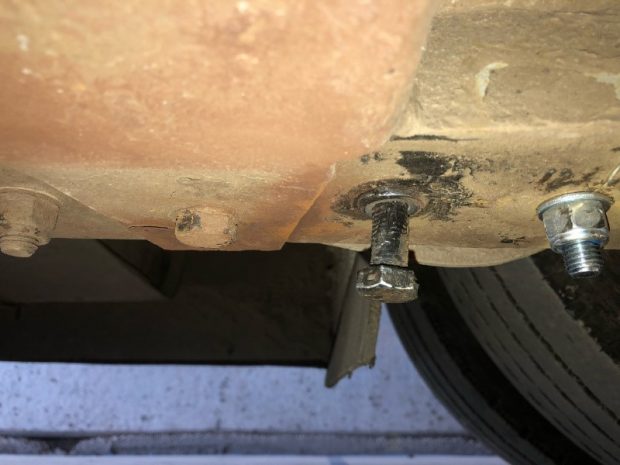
(256, 460)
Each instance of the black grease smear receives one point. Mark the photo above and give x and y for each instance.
(376, 156)
(435, 176)
(424, 163)
(149, 226)
(427, 137)
(566, 177)
(616, 149)
(550, 172)
(504, 239)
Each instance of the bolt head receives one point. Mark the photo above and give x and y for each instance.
(390, 284)
(16, 246)
(26, 220)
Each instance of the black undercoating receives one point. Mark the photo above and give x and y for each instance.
(427, 137)
(554, 179)
(434, 177)
(188, 221)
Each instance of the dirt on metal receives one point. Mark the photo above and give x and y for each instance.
(139, 109)
(280, 113)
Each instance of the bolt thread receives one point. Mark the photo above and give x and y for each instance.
(583, 259)
(390, 233)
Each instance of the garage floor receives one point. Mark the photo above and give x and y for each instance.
(245, 460)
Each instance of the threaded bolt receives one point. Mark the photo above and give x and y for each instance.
(388, 279)
(577, 228)
(583, 259)
(390, 233)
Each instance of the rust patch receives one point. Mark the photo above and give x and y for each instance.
(175, 106)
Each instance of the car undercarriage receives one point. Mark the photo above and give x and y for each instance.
(264, 174)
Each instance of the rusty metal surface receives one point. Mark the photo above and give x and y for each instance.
(512, 104)
(137, 110)
(273, 115)
(482, 193)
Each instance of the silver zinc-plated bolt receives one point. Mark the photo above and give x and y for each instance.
(577, 228)
(26, 220)
(388, 279)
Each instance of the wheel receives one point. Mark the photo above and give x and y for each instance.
(523, 356)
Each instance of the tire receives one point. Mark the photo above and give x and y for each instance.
(502, 350)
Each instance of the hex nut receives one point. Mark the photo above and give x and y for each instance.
(27, 219)
(577, 228)
(576, 217)
(205, 227)
(388, 284)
